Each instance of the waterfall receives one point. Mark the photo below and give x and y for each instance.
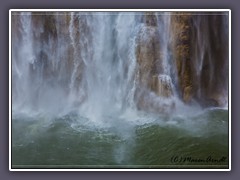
(105, 63)
(22, 59)
(96, 89)
(89, 66)
(110, 72)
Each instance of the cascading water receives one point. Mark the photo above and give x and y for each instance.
(111, 88)
(109, 75)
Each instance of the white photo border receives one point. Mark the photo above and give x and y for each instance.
(116, 10)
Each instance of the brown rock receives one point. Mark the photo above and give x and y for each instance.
(150, 19)
(148, 54)
(181, 37)
(162, 85)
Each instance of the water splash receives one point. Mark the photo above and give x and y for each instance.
(86, 63)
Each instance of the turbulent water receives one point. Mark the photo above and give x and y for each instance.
(78, 93)
(71, 142)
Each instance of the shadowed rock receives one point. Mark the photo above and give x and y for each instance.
(200, 50)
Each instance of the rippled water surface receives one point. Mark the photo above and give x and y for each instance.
(73, 141)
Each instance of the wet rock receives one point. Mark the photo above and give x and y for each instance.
(181, 38)
(154, 90)
(200, 50)
(149, 19)
(187, 94)
(148, 55)
(162, 85)
(213, 77)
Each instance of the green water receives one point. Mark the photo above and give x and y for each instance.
(199, 141)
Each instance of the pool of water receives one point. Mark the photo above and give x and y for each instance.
(144, 141)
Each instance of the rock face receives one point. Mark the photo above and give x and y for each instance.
(200, 50)
(148, 50)
(181, 38)
(199, 46)
(162, 85)
(211, 65)
(148, 54)
(150, 67)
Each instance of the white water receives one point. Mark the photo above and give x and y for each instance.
(89, 68)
